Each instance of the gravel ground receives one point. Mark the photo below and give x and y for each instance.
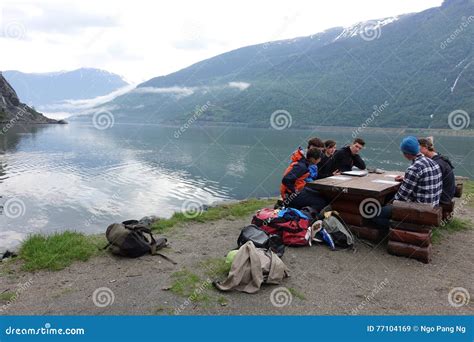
(365, 281)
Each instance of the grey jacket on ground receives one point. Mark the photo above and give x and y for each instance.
(251, 267)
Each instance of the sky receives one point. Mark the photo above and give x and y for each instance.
(142, 39)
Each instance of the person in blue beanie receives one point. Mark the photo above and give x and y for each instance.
(422, 182)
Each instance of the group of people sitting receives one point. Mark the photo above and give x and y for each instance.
(320, 160)
(429, 178)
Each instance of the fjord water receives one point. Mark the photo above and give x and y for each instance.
(77, 177)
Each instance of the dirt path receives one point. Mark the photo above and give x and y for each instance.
(368, 281)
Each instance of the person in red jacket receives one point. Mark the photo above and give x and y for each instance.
(293, 188)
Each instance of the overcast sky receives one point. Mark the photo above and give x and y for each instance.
(143, 39)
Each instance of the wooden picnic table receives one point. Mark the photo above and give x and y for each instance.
(344, 187)
(347, 193)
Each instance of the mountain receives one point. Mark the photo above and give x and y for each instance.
(43, 89)
(12, 111)
(406, 71)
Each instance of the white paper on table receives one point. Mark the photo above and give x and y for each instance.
(340, 177)
(391, 176)
(385, 181)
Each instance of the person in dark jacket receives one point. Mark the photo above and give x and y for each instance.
(449, 183)
(326, 165)
(348, 156)
(293, 188)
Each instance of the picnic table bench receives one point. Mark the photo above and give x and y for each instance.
(358, 199)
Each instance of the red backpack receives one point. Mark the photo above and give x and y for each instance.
(295, 231)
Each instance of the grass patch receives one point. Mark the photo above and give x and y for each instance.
(468, 192)
(222, 301)
(225, 211)
(190, 285)
(454, 225)
(57, 251)
(216, 267)
(7, 296)
(296, 293)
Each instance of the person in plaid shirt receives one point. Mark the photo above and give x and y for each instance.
(422, 183)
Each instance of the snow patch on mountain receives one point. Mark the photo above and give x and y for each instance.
(363, 26)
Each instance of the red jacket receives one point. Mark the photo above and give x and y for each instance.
(295, 174)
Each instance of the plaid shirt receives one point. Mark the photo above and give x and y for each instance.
(423, 182)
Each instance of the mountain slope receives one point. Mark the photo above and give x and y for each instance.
(419, 67)
(12, 111)
(41, 89)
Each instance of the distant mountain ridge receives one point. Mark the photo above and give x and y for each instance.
(13, 111)
(419, 66)
(43, 89)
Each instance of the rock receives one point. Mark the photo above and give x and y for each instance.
(149, 220)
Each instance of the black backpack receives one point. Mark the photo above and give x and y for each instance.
(261, 239)
(128, 239)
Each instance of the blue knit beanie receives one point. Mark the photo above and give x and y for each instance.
(410, 145)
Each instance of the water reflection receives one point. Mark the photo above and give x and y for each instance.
(77, 177)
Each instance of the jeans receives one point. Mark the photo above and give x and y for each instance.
(307, 198)
(382, 221)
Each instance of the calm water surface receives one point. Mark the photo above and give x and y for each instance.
(77, 177)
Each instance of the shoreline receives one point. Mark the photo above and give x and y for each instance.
(329, 129)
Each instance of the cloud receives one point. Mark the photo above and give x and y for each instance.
(53, 18)
(66, 108)
(239, 85)
(178, 91)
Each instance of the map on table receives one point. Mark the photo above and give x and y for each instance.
(385, 181)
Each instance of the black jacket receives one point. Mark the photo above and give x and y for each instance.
(344, 160)
(325, 166)
(449, 183)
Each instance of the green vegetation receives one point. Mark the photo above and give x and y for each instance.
(328, 81)
(6, 296)
(468, 192)
(57, 251)
(190, 285)
(216, 268)
(222, 301)
(225, 211)
(296, 293)
(454, 225)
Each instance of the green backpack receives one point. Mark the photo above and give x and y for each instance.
(131, 239)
